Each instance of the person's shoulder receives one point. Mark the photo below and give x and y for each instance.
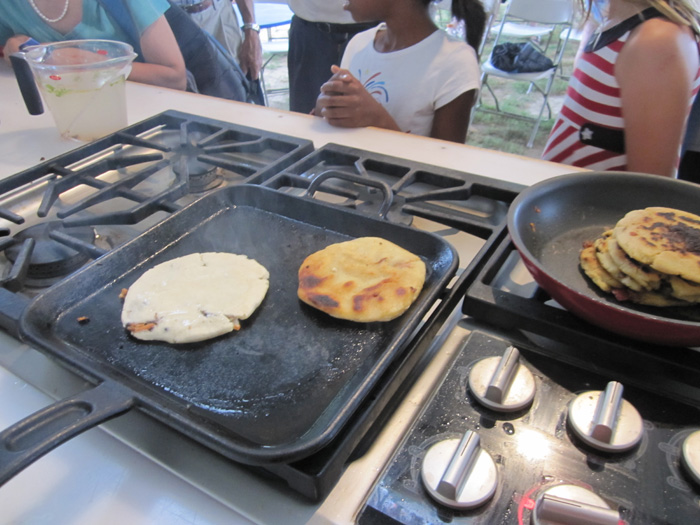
(659, 45)
(452, 47)
(147, 7)
(661, 41)
(660, 33)
(449, 41)
(361, 45)
(364, 37)
(446, 38)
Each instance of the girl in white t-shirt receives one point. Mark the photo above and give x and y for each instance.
(406, 74)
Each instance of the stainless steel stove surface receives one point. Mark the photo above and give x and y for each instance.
(581, 426)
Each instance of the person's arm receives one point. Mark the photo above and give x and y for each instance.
(250, 53)
(451, 121)
(655, 71)
(12, 45)
(164, 65)
(344, 102)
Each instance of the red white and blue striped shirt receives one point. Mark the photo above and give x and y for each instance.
(588, 132)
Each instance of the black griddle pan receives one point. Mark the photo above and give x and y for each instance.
(277, 390)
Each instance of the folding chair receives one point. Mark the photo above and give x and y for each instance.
(522, 29)
(548, 13)
(492, 7)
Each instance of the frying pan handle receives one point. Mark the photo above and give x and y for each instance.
(330, 174)
(26, 441)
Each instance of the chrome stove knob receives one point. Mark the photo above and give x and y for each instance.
(690, 455)
(502, 383)
(459, 473)
(572, 505)
(605, 421)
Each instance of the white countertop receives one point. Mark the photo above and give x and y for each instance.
(95, 478)
(25, 140)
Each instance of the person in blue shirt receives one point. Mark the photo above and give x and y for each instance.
(58, 20)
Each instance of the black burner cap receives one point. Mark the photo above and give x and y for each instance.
(50, 258)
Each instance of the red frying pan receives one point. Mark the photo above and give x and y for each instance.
(550, 221)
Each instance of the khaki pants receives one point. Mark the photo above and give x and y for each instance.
(221, 22)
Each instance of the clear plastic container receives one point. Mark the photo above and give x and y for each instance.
(83, 84)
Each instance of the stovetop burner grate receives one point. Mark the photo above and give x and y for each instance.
(112, 189)
(464, 201)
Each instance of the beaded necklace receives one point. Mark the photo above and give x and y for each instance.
(46, 18)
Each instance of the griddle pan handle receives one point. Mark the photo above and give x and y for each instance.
(27, 84)
(26, 441)
(330, 174)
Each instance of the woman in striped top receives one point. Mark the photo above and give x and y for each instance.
(629, 98)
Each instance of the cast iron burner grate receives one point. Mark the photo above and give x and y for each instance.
(50, 260)
(464, 201)
(500, 292)
(62, 213)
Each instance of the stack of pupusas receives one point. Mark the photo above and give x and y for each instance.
(650, 257)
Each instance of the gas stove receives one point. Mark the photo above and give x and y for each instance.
(80, 205)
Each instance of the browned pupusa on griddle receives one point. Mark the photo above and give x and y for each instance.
(367, 279)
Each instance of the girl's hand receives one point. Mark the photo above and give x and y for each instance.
(344, 102)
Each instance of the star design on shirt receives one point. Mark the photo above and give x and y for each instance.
(586, 135)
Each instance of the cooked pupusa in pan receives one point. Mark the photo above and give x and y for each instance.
(665, 239)
(651, 256)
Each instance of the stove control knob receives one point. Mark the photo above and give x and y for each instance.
(691, 455)
(605, 421)
(502, 383)
(459, 473)
(573, 505)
